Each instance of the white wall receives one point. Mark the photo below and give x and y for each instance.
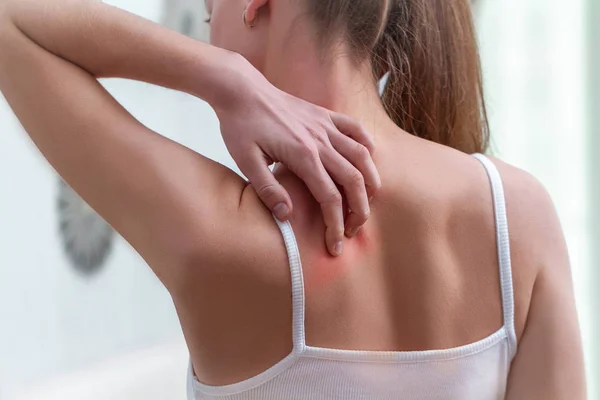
(52, 320)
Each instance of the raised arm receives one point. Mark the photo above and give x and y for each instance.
(154, 192)
(260, 124)
(106, 42)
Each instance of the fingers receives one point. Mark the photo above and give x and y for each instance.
(351, 179)
(268, 189)
(313, 173)
(353, 129)
(360, 157)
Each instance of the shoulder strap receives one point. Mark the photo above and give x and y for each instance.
(298, 307)
(502, 240)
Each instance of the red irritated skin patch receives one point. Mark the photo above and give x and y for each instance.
(321, 269)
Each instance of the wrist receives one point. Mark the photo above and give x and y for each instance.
(226, 83)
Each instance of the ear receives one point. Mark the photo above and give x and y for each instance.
(253, 7)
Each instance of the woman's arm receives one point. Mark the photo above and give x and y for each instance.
(108, 42)
(161, 197)
(549, 361)
(182, 212)
(104, 41)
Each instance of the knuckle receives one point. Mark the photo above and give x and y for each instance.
(371, 146)
(333, 196)
(362, 151)
(361, 127)
(363, 215)
(357, 127)
(312, 131)
(314, 159)
(324, 114)
(320, 136)
(356, 178)
(307, 152)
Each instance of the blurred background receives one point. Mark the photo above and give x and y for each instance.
(82, 316)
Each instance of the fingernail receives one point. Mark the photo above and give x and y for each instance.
(337, 249)
(281, 211)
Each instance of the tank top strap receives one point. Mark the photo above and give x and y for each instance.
(503, 245)
(298, 302)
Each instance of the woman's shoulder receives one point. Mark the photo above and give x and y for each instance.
(541, 269)
(532, 217)
(538, 246)
(236, 295)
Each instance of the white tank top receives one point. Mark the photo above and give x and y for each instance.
(477, 371)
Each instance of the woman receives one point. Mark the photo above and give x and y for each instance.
(434, 298)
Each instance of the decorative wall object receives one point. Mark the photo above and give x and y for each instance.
(187, 17)
(86, 237)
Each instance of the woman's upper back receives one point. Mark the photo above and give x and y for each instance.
(475, 370)
(423, 274)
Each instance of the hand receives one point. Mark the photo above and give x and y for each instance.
(266, 125)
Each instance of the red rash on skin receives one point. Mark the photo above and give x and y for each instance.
(323, 269)
(319, 267)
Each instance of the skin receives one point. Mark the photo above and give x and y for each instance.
(422, 273)
(260, 124)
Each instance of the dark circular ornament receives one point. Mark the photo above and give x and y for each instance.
(87, 239)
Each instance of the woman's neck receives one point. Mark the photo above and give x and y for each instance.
(335, 83)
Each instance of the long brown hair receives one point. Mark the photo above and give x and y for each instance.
(435, 88)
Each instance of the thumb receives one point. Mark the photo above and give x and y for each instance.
(269, 190)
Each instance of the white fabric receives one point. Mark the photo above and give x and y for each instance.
(477, 371)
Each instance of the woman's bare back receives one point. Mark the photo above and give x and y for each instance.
(422, 274)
